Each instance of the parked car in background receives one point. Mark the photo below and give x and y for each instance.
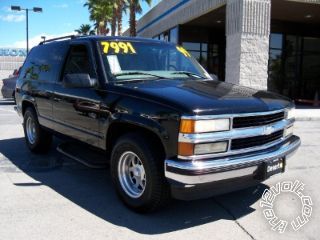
(9, 85)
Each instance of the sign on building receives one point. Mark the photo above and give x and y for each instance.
(13, 52)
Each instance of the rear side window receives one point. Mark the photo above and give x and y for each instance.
(44, 62)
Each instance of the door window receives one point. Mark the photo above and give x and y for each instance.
(79, 61)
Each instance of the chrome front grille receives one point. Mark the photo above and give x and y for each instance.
(252, 121)
(249, 132)
(242, 143)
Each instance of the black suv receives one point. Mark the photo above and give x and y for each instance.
(167, 128)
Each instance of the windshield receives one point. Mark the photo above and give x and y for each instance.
(132, 60)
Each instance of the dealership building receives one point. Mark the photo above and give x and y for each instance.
(10, 59)
(264, 44)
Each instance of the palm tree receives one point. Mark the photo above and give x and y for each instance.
(85, 29)
(121, 7)
(101, 13)
(114, 19)
(135, 7)
(116, 23)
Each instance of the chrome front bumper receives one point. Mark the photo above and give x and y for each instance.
(225, 168)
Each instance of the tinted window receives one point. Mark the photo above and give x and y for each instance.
(44, 62)
(79, 61)
(276, 40)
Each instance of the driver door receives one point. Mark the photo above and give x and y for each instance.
(76, 110)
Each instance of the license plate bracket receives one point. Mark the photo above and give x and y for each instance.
(270, 168)
(274, 167)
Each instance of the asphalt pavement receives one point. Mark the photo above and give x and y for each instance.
(53, 197)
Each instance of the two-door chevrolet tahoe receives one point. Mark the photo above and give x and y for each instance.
(167, 128)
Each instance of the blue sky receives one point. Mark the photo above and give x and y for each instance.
(59, 17)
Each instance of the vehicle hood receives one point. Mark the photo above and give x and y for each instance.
(204, 97)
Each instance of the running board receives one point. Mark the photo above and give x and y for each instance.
(83, 155)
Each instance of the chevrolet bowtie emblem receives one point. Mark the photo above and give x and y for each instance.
(268, 130)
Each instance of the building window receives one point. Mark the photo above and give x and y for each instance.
(275, 63)
(294, 66)
(166, 36)
(191, 46)
(276, 40)
(198, 50)
(310, 69)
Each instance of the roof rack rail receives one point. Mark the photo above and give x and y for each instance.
(59, 38)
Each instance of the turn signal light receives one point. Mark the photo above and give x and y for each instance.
(187, 126)
(185, 149)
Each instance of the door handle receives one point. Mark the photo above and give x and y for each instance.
(57, 99)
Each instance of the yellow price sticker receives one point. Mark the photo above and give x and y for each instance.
(183, 51)
(118, 48)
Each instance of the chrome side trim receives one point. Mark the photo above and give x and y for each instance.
(191, 170)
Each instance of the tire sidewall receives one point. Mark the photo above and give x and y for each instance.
(119, 149)
(31, 114)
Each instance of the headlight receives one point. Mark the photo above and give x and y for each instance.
(291, 113)
(202, 126)
(206, 148)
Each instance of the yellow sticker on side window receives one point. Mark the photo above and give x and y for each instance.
(183, 51)
(118, 48)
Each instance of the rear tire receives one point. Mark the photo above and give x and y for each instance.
(137, 171)
(38, 140)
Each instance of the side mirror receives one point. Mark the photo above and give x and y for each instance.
(78, 80)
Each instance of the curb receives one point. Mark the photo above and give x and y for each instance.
(307, 119)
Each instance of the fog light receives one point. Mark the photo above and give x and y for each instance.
(206, 148)
(288, 131)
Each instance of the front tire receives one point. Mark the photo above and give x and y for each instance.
(38, 140)
(138, 174)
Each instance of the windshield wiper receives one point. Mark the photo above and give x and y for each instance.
(190, 74)
(139, 73)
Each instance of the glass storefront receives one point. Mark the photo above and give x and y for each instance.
(198, 50)
(208, 49)
(207, 54)
(169, 36)
(294, 59)
(294, 66)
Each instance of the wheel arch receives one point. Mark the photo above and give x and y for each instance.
(154, 133)
(26, 102)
